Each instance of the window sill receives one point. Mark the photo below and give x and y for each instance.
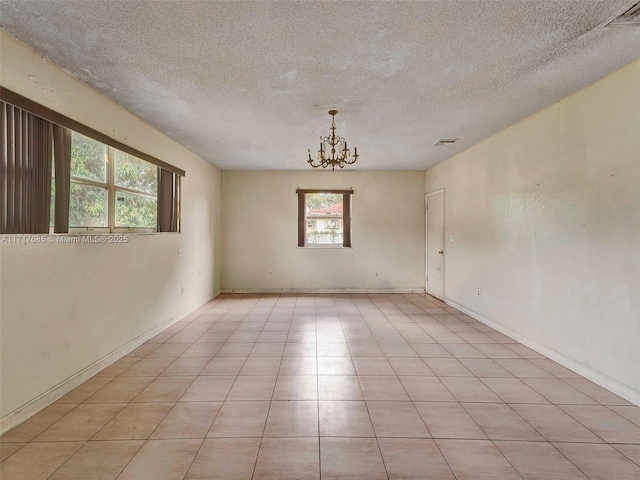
(325, 247)
(104, 233)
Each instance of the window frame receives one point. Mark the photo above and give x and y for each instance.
(58, 119)
(110, 186)
(346, 217)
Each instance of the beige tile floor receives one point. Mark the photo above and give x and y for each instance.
(332, 387)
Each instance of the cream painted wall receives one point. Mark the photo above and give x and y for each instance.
(259, 228)
(63, 307)
(546, 223)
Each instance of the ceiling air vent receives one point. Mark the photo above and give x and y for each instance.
(630, 17)
(445, 142)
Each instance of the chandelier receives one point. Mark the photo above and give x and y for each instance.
(335, 153)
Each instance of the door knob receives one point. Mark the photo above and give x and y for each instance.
(441, 252)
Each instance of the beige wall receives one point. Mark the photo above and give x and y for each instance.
(259, 228)
(63, 307)
(545, 217)
(546, 223)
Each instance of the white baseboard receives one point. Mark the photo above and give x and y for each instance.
(32, 407)
(619, 388)
(323, 290)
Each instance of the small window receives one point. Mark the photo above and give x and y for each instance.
(324, 218)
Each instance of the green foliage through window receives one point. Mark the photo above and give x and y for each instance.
(88, 158)
(96, 170)
(321, 200)
(88, 206)
(135, 210)
(136, 174)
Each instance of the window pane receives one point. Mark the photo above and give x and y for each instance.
(135, 210)
(88, 158)
(136, 174)
(324, 219)
(87, 206)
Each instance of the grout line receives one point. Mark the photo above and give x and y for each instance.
(425, 423)
(317, 386)
(255, 465)
(366, 405)
(71, 456)
(195, 455)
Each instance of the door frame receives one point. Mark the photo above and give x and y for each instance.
(426, 240)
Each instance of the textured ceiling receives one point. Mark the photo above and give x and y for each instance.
(247, 85)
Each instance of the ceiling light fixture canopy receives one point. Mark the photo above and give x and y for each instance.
(340, 156)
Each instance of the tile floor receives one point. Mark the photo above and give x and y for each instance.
(332, 387)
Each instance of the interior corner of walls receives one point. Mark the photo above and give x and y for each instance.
(625, 391)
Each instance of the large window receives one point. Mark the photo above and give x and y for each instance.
(58, 175)
(110, 189)
(324, 218)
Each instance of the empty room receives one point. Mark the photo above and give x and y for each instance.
(319, 239)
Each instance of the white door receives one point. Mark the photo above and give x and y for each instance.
(435, 244)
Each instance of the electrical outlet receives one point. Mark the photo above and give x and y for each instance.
(376, 274)
(478, 292)
(179, 252)
(181, 290)
(270, 273)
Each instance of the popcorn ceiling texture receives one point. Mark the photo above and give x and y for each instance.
(247, 85)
